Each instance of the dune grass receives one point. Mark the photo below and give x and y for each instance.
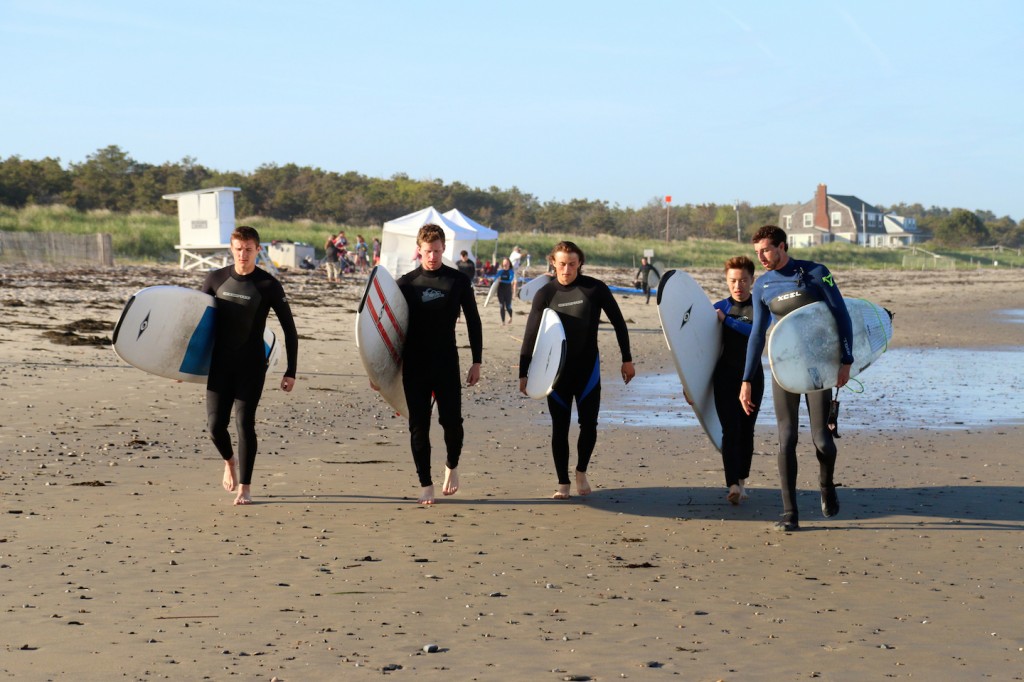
(150, 237)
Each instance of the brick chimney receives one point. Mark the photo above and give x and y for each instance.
(821, 208)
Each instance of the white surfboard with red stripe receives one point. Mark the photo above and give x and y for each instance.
(381, 324)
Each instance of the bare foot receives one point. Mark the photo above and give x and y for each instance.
(582, 485)
(562, 493)
(427, 496)
(451, 481)
(735, 492)
(230, 481)
(243, 495)
(743, 489)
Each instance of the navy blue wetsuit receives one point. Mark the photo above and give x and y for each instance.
(579, 307)
(430, 359)
(775, 294)
(239, 365)
(737, 425)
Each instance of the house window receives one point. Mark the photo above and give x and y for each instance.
(808, 220)
(787, 222)
(837, 219)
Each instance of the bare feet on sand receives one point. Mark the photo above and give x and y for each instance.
(735, 494)
(451, 481)
(427, 496)
(562, 493)
(230, 481)
(243, 496)
(582, 485)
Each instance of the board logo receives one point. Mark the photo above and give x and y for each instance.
(142, 327)
(686, 317)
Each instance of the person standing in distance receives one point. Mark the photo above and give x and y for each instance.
(506, 277)
(735, 313)
(578, 299)
(644, 275)
(466, 266)
(787, 285)
(435, 293)
(238, 369)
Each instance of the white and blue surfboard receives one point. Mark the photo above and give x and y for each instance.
(168, 331)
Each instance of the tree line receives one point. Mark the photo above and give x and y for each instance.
(110, 179)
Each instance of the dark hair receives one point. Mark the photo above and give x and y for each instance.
(740, 263)
(773, 232)
(430, 233)
(244, 233)
(463, 253)
(567, 247)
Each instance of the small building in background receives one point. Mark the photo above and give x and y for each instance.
(831, 218)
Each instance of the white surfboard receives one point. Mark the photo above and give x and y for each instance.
(803, 348)
(654, 279)
(530, 289)
(382, 321)
(491, 291)
(168, 331)
(694, 337)
(548, 356)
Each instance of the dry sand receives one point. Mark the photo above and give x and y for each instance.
(122, 558)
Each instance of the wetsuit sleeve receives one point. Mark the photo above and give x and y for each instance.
(611, 308)
(540, 302)
(755, 345)
(208, 286)
(473, 325)
(834, 300)
(733, 323)
(291, 335)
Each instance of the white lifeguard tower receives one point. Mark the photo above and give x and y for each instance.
(206, 219)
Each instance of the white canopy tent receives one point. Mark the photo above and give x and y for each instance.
(398, 238)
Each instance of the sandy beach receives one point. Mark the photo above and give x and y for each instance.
(121, 557)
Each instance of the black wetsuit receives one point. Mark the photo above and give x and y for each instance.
(430, 359)
(239, 365)
(737, 425)
(644, 275)
(579, 307)
(775, 294)
(505, 279)
(468, 268)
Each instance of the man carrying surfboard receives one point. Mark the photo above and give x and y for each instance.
(643, 275)
(578, 299)
(787, 285)
(245, 295)
(436, 293)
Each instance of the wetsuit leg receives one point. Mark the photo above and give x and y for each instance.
(560, 408)
(417, 397)
(588, 405)
(748, 423)
(246, 401)
(731, 415)
(448, 395)
(218, 417)
(240, 389)
(787, 415)
(818, 404)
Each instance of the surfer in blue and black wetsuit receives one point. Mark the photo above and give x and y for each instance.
(736, 315)
(245, 296)
(788, 285)
(578, 300)
(506, 277)
(435, 293)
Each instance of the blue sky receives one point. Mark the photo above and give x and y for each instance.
(621, 101)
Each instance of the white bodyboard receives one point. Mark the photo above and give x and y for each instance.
(694, 337)
(491, 291)
(548, 356)
(803, 348)
(530, 289)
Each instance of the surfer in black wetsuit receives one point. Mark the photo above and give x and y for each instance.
(435, 293)
(506, 277)
(578, 300)
(736, 315)
(245, 295)
(787, 285)
(643, 275)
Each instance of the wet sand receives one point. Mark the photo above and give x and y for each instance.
(122, 557)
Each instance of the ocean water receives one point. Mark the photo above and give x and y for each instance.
(906, 388)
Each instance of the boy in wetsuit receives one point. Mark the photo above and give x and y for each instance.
(787, 285)
(578, 300)
(735, 313)
(245, 295)
(435, 293)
